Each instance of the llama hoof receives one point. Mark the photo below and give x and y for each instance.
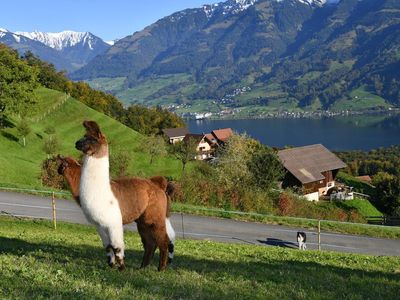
(121, 267)
(162, 268)
(111, 264)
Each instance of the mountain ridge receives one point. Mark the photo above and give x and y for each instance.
(67, 50)
(296, 54)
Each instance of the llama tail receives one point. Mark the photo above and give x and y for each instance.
(170, 230)
(171, 237)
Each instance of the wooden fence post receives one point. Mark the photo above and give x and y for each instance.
(53, 202)
(319, 235)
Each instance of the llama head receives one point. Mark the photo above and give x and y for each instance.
(66, 163)
(93, 143)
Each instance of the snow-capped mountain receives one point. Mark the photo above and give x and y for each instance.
(67, 50)
(61, 40)
(231, 7)
(228, 7)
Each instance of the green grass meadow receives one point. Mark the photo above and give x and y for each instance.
(38, 262)
(20, 166)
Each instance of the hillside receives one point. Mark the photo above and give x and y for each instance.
(69, 263)
(260, 56)
(21, 166)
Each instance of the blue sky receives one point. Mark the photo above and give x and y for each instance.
(108, 19)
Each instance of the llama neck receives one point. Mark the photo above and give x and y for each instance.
(73, 180)
(96, 170)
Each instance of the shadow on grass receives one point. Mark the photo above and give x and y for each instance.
(61, 253)
(9, 136)
(275, 275)
(278, 243)
(5, 122)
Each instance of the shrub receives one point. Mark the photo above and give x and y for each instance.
(49, 174)
(285, 204)
(119, 162)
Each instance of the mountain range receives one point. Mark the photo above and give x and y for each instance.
(67, 50)
(291, 54)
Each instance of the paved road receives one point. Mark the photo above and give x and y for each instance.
(195, 227)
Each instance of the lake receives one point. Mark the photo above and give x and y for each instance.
(359, 132)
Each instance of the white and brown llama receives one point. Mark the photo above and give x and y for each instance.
(110, 204)
(70, 168)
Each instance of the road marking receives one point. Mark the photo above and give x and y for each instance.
(36, 206)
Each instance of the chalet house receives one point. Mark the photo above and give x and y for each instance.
(312, 169)
(204, 146)
(175, 135)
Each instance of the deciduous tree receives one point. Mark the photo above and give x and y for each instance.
(17, 83)
(23, 130)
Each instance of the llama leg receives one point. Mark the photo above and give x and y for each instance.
(116, 235)
(149, 244)
(106, 244)
(171, 240)
(160, 235)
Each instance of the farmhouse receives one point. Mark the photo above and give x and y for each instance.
(175, 135)
(203, 145)
(312, 169)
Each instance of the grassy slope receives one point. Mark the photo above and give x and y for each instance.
(361, 99)
(38, 262)
(21, 166)
(364, 207)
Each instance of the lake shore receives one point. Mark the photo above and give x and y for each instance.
(295, 115)
(338, 133)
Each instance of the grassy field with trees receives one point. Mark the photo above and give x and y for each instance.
(21, 165)
(69, 263)
(41, 114)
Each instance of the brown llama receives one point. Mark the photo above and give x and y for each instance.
(109, 204)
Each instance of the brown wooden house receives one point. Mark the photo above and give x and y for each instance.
(312, 169)
(175, 135)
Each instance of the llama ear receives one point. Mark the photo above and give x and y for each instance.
(92, 128)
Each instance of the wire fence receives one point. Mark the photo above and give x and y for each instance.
(51, 109)
(61, 194)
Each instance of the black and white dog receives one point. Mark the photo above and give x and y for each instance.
(301, 239)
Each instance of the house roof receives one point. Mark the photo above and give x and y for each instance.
(175, 132)
(211, 138)
(307, 163)
(222, 134)
(195, 136)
